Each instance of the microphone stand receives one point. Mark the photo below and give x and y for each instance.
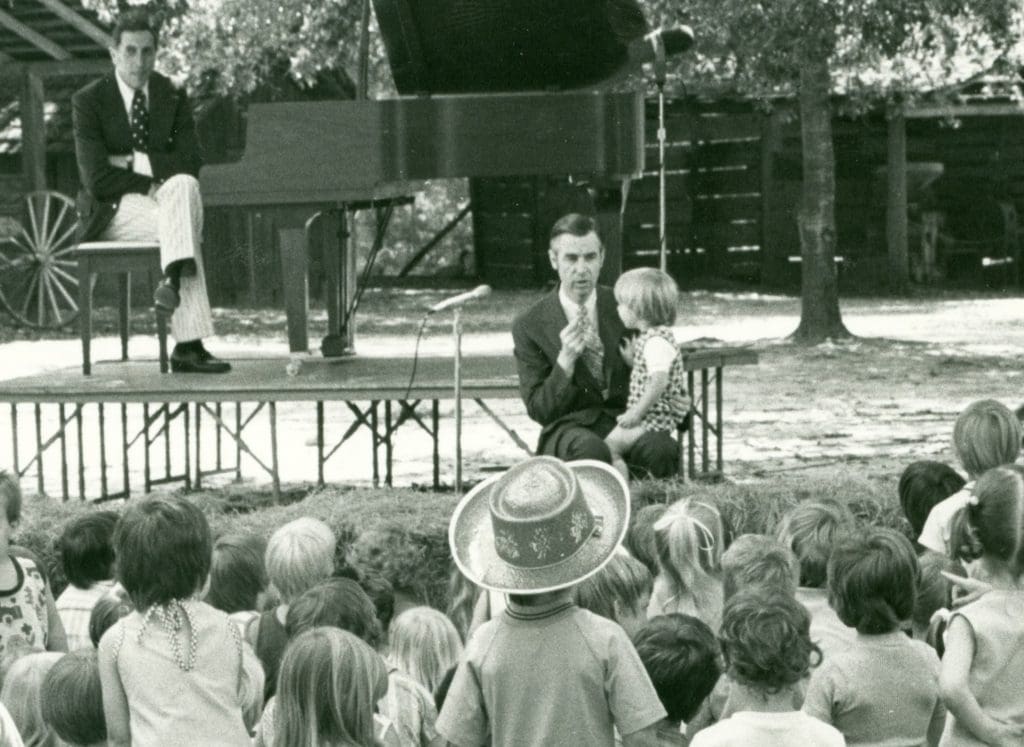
(660, 75)
(457, 338)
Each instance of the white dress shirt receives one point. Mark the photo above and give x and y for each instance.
(140, 160)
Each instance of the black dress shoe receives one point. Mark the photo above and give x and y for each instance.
(197, 361)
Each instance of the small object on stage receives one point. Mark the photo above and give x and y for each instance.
(294, 366)
(335, 346)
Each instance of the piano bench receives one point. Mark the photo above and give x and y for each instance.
(121, 258)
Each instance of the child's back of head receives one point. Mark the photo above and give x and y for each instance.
(328, 687)
(922, 486)
(934, 593)
(21, 695)
(640, 537)
(690, 539)
(991, 528)
(424, 645)
(300, 555)
(335, 603)
(237, 573)
(620, 591)
(72, 699)
(163, 548)
(986, 435)
(108, 609)
(86, 548)
(680, 654)
(810, 529)
(756, 560)
(872, 580)
(766, 640)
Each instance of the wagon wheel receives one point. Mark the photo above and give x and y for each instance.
(38, 284)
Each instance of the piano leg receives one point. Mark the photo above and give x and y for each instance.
(339, 274)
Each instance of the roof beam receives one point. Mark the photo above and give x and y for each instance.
(33, 37)
(81, 24)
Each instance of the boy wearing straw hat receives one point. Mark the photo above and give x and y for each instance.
(546, 671)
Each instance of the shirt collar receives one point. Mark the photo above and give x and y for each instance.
(128, 93)
(571, 308)
(537, 612)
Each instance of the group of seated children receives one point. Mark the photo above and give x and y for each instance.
(572, 622)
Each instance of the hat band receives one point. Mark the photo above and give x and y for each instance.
(535, 544)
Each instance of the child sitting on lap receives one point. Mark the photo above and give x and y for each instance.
(545, 671)
(680, 654)
(648, 300)
(811, 530)
(300, 555)
(884, 689)
(986, 435)
(30, 613)
(174, 671)
(87, 558)
(766, 643)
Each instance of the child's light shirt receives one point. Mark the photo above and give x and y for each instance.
(883, 690)
(169, 706)
(410, 708)
(787, 729)
(553, 674)
(23, 613)
(827, 630)
(935, 533)
(997, 670)
(74, 605)
(657, 352)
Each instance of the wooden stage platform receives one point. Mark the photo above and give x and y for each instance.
(156, 410)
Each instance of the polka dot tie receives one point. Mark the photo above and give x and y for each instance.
(140, 122)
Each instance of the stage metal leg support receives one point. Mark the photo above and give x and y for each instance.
(320, 444)
(63, 454)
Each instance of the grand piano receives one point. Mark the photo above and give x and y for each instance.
(488, 88)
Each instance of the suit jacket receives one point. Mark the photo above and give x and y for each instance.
(102, 129)
(551, 397)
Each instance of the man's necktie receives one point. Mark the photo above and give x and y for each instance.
(140, 122)
(593, 354)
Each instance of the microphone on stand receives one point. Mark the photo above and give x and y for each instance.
(481, 291)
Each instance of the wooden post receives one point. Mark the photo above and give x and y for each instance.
(33, 131)
(294, 283)
(773, 255)
(896, 201)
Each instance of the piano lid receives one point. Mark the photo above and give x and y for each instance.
(490, 46)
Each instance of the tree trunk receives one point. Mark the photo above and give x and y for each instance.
(819, 292)
(896, 202)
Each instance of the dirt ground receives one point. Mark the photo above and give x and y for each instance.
(884, 398)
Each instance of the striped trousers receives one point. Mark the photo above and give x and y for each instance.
(173, 217)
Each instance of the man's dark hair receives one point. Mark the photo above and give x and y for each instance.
(163, 549)
(680, 654)
(573, 223)
(922, 485)
(135, 19)
(86, 548)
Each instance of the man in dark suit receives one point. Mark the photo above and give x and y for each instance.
(572, 376)
(138, 158)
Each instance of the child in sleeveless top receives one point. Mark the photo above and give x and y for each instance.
(689, 538)
(647, 302)
(982, 674)
(175, 671)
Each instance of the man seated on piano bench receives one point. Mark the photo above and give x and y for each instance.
(138, 158)
(572, 376)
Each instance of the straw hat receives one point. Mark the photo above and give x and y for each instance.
(542, 525)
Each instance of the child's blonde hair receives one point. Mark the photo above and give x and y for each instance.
(690, 539)
(810, 530)
(463, 595)
(623, 585)
(300, 555)
(756, 560)
(650, 294)
(986, 435)
(328, 687)
(993, 526)
(424, 645)
(22, 696)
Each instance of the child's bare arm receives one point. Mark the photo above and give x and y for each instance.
(115, 701)
(56, 637)
(644, 738)
(657, 383)
(954, 684)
